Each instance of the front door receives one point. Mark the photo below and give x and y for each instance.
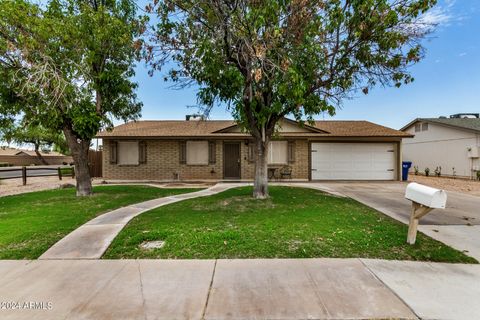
(231, 160)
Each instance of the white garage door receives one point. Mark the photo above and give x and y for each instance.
(353, 161)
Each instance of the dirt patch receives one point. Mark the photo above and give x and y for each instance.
(236, 203)
(14, 186)
(471, 187)
(159, 184)
(188, 185)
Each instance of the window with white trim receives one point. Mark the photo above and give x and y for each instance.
(197, 152)
(127, 153)
(278, 152)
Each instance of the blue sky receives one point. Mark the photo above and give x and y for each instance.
(447, 81)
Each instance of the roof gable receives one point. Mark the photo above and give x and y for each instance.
(468, 124)
(168, 129)
(22, 153)
(285, 125)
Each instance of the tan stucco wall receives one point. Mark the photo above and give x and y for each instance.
(163, 162)
(441, 146)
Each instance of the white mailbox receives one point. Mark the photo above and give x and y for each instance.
(424, 199)
(427, 196)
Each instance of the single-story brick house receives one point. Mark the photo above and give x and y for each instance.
(219, 150)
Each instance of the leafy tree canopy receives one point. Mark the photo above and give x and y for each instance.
(57, 61)
(37, 136)
(268, 59)
(68, 67)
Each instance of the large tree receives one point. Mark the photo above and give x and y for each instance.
(268, 59)
(36, 135)
(68, 66)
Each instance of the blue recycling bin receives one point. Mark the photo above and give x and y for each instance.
(406, 165)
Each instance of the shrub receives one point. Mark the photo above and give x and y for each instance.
(415, 169)
(438, 171)
(427, 172)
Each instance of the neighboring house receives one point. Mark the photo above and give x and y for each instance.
(450, 143)
(218, 150)
(19, 157)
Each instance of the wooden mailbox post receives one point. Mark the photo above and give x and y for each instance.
(424, 199)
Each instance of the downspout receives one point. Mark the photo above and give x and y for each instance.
(400, 159)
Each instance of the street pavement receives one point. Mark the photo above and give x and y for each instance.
(51, 170)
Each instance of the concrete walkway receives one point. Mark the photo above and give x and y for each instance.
(238, 289)
(91, 240)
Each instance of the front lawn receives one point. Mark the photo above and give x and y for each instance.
(293, 223)
(31, 223)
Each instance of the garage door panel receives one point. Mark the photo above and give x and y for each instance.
(341, 166)
(353, 161)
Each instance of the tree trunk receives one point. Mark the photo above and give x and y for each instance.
(260, 186)
(39, 155)
(79, 149)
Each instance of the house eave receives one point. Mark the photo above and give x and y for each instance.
(438, 123)
(246, 136)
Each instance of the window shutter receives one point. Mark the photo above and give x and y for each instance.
(291, 151)
(212, 152)
(183, 152)
(251, 152)
(142, 152)
(113, 152)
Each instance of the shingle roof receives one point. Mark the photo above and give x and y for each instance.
(179, 129)
(166, 128)
(358, 129)
(6, 151)
(463, 123)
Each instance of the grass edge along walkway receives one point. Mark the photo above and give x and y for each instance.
(293, 223)
(91, 240)
(32, 222)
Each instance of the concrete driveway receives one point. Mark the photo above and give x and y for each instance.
(458, 225)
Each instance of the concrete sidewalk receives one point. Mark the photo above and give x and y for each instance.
(238, 289)
(91, 240)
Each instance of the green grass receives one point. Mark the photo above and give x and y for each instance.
(66, 171)
(293, 223)
(32, 222)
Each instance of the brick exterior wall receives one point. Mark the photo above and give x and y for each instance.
(163, 163)
(299, 166)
